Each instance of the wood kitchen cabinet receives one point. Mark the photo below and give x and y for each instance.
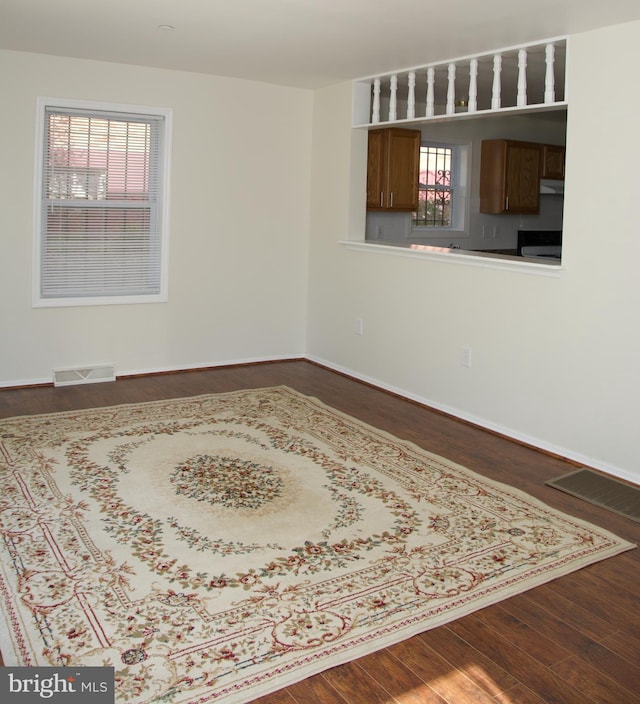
(393, 161)
(510, 174)
(553, 161)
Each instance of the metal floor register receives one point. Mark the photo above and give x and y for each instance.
(598, 489)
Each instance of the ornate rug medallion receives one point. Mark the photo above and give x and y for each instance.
(217, 548)
(228, 481)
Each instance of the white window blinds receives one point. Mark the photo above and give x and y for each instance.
(101, 206)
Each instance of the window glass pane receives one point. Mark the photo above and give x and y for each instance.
(435, 188)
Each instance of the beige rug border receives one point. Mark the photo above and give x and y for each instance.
(332, 656)
(546, 576)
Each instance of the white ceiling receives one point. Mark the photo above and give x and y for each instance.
(304, 43)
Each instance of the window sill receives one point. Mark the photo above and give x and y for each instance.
(485, 260)
(98, 301)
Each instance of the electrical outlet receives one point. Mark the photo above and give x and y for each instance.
(465, 358)
(359, 326)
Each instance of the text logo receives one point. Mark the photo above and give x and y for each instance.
(57, 685)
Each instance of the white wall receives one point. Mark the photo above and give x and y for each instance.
(240, 198)
(554, 359)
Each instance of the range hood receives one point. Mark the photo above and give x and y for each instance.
(551, 187)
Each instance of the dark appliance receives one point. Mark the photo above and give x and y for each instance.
(540, 244)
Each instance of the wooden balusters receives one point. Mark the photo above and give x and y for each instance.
(496, 90)
(472, 105)
(451, 90)
(411, 97)
(522, 78)
(549, 78)
(491, 91)
(430, 109)
(393, 99)
(375, 109)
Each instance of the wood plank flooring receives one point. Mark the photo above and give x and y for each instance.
(575, 640)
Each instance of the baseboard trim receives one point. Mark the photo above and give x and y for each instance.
(206, 367)
(533, 442)
(156, 371)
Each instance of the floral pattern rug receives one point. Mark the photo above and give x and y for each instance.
(220, 547)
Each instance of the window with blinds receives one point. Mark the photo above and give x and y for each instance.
(102, 224)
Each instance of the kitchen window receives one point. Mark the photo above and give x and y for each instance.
(442, 188)
(101, 196)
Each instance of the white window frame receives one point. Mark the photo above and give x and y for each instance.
(164, 168)
(460, 178)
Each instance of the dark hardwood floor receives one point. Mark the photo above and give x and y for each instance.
(575, 640)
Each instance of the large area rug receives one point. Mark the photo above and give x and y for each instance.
(220, 547)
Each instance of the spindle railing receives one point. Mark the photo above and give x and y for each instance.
(525, 77)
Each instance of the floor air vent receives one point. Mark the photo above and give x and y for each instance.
(84, 375)
(602, 491)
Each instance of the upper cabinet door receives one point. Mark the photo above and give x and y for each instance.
(376, 169)
(523, 178)
(553, 161)
(392, 169)
(510, 176)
